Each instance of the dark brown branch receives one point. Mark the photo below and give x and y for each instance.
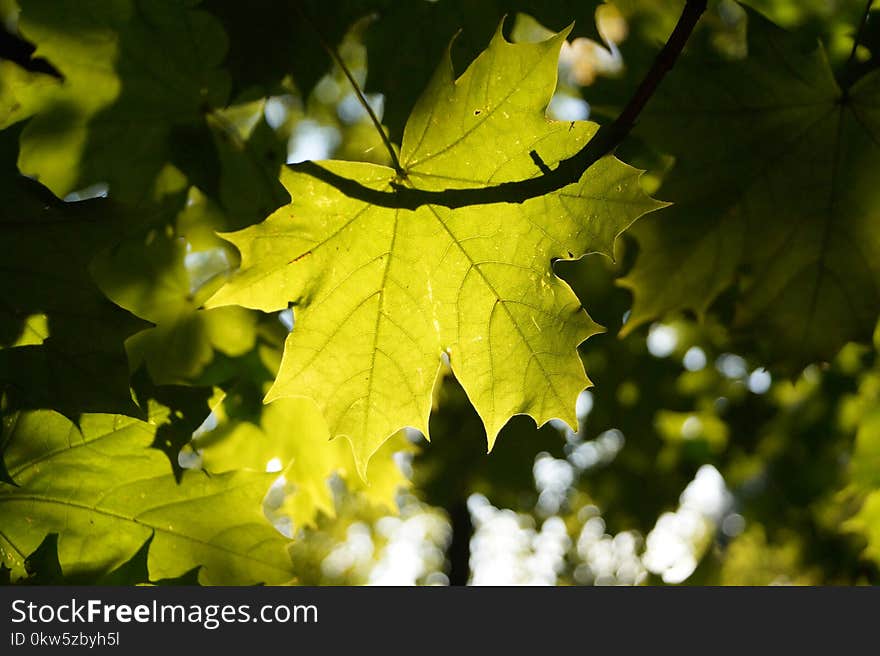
(567, 172)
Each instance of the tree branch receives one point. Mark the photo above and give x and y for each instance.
(567, 172)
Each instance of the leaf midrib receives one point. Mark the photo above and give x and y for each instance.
(37, 498)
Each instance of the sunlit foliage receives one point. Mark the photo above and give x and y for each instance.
(216, 368)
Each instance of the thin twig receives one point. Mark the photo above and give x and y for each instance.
(859, 32)
(334, 55)
(567, 172)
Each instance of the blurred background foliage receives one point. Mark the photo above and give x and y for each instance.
(696, 461)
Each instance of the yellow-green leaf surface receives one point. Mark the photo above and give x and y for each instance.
(380, 294)
(865, 462)
(864, 471)
(867, 522)
(105, 492)
(775, 191)
(21, 92)
(139, 78)
(293, 437)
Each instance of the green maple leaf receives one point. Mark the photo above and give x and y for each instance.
(43, 568)
(404, 40)
(148, 276)
(867, 523)
(293, 433)
(250, 155)
(296, 50)
(422, 31)
(61, 339)
(139, 80)
(381, 294)
(104, 492)
(21, 92)
(453, 466)
(864, 464)
(775, 190)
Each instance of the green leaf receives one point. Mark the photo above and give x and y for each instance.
(105, 492)
(380, 294)
(147, 275)
(407, 38)
(61, 343)
(454, 465)
(384, 479)
(296, 44)
(865, 463)
(139, 78)
(294, 435)
(250, 155)
(775, 192)
(42, 565)
(178, 412)
(21, 92)
(43, 568)
(404, 40)
(867, 522)
(864, 479)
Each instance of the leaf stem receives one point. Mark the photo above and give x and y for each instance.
(337, 59)
(859, 32)
(567, 172)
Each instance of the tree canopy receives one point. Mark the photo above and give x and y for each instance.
(435, 292)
